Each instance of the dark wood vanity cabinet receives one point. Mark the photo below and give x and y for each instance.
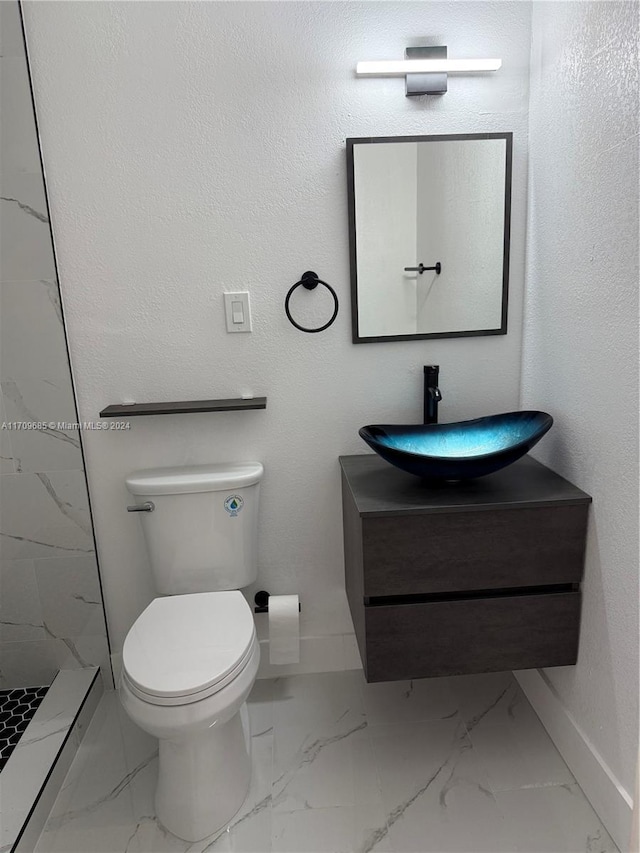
(475, 576)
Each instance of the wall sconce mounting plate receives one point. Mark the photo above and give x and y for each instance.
(430, 82)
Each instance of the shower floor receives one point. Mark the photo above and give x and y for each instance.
(17, 707)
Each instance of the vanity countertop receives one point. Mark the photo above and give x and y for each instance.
(380, 489)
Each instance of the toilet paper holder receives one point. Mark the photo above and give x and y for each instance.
(261, 599)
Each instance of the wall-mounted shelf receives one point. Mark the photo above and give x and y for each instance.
(183, 407)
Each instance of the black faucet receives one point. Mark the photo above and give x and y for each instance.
(432, 395)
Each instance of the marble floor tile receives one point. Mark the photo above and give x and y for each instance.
(334, 830)
(476, 694)
(408, 754)
(246, 836)
(94, 810)
(509, 740)
(318, 698)
(250, 833)
(408, 701)
(324, 766)
(555, 819)
(436, 796)
(339, 766)
(260, 705)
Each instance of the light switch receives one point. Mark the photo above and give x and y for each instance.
(237, 312)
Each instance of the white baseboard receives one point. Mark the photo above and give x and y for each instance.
(613, 804)
(332, 653)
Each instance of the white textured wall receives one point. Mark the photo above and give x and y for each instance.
(197, 148)
(581, 335)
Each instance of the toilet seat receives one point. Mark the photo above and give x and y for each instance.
(184, 648)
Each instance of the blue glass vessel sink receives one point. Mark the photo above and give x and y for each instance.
(461, 450)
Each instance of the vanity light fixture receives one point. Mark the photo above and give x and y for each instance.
(425, 69)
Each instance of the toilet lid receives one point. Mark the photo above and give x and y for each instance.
(184, 644)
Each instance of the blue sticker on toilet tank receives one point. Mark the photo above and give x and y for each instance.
(233, 505)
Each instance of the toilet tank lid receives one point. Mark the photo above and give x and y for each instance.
(187, 479)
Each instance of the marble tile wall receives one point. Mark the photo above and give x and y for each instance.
(51, 612)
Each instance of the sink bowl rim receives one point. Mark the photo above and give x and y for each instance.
(416, 429)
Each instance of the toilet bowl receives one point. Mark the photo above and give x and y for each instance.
(189, 663)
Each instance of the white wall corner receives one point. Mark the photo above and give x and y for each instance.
(611, 801)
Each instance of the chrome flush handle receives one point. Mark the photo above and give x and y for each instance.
(148, 506)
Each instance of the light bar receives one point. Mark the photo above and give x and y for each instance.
(399, 68)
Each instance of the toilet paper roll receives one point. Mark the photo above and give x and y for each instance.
(284, 629)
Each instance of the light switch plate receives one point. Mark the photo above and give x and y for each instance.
(237, 310)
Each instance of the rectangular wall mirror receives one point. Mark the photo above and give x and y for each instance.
(429, 235)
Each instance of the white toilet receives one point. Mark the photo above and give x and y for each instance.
(191, 657)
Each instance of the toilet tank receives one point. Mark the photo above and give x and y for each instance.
(202, 534)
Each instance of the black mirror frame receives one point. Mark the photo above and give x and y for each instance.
(351, 142)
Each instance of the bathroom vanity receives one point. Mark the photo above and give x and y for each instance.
(453, 578)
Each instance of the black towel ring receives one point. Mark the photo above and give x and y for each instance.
(310, 281)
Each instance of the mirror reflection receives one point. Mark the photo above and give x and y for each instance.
(429, 235)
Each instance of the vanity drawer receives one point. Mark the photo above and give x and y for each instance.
(422, 640)
(489, 549)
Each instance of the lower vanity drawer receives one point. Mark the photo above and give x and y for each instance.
(404, 641)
